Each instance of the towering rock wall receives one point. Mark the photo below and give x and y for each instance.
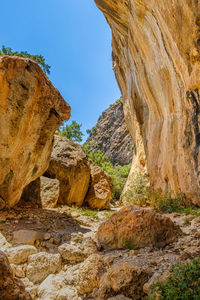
(31, 109)
(112, 136)
(156, 59)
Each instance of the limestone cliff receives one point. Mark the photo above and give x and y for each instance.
(156, 59)
(112, 136)
(31, 109)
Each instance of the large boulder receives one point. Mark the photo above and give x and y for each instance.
(41, 265)
(99, 192)
(10, 288)
(156, 60)
(19, 255)
(90, 273)
(30, 112)
(70, 165)
(126, 278)
(44, 192)
(133, 228)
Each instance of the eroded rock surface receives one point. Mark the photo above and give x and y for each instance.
(43, 192)
(31, 110)
(10, 288)
(99, 192)
(41, 265)
(70, 165)
(132, 228)
(156, 59)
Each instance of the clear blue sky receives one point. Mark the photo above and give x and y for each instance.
(75, 39)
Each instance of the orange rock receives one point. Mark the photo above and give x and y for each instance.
(10, 288)
(99, 193)
(133, 228)
(31, 109)
(69, 164)
(156, 60)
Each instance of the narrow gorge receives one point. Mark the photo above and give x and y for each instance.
(83, 222)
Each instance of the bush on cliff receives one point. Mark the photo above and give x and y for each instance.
(72, 131)
(37, 58)
(182, 284)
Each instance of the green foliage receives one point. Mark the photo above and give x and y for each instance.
(118, 174)
(72, 131)
(92, 131)
(186, 222)
(139, 192)
(165, 202)
(108, 214)
(190, 211)
(87, 212)
(120, 100)
(182, 284)
(98, 157)
(37, 58)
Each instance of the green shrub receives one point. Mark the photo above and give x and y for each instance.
(165, 202)
(139, 192)
(182, 284)
(120, 100)
(37, 58)
(118, 174)
(72, 131)
(98, 157)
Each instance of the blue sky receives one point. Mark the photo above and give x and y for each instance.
(75, 39)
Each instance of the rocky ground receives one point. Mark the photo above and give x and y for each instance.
(56, 254)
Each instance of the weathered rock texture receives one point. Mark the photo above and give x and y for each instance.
(99, 192)
(10, 288)
(111, 135)
(70, 165)
(156, 59)
(43, 192)
(132, 228)
(31, 109)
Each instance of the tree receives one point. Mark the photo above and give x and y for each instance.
(72, 132)
(37, 58)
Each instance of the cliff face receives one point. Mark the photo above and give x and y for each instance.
(156, 59)
(112, 136)
(31, 109)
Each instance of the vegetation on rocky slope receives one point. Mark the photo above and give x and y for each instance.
(117, 173)
(143, 195)
(37, 58)
(182, 284)
(72, 131)
(110, 135)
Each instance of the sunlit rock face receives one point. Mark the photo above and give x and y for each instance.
(31, 109)
(156, 59)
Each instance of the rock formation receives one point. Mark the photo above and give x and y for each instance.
(111, 135)
(156, 59)
(31, 109)
(134, 228)
(70, 179)
(43, 192)
(70, 165)
(11, 288)
(99, 192)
